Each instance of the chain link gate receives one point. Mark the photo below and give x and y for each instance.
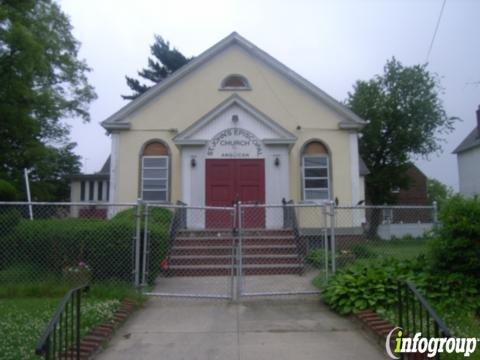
(284, 249)
(188, 251)
(233, 252)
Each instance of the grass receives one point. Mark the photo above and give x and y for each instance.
(27, 308)
(401, 249)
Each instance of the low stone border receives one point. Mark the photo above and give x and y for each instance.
(93, 341)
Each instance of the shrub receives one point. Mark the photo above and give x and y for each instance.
(159, 221)
(362, 251)
(456, 248)
(7, 191)
(372, 284)
(317, 258)
(106, 246)
(364, 285)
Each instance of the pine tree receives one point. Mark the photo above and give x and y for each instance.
(166, 61)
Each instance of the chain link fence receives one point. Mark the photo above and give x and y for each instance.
(66, 243)
(374, 232)
(221, 252)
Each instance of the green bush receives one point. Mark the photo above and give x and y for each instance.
(7, 191)
(364, 285)
(363, 251)
(372, 284)
(159, 222)
(317, 258)
(456, 248)
(106, 246)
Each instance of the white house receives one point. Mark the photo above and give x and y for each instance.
(468, 157)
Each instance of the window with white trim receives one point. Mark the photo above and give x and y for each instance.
(155, 178)
(316, 179)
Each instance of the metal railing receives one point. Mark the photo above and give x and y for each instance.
(61, 338)
(415, 314)
(290, 221)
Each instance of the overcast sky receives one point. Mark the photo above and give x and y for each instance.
(331, 43)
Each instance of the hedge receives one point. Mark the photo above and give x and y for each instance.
(106, 246)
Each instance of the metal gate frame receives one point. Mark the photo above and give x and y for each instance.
(328, 211)
(236, 292)
(179, 221)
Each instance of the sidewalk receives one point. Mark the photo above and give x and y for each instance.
(297, 329)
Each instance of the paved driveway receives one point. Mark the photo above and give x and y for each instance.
(297, 329)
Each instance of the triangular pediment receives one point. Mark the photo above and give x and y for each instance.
(234, 112)
(121, 119)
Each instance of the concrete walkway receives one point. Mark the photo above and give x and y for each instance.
(191, 329)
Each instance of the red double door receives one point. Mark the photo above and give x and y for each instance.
(232, 180)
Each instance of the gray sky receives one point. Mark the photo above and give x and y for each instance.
(331, 43)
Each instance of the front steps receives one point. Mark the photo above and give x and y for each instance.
(213, 253)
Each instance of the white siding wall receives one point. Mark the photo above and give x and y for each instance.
(469, 172)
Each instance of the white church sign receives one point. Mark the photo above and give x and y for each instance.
(234, 143)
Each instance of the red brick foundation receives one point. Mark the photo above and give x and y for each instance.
(93, 341)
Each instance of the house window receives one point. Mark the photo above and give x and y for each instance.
(316, 172)
(155, 172)
(91, 187)
(108, 190)
(235, 82)
(155, 178)
(82, 191)
(100, 191)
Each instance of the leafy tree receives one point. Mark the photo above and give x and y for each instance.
(42, 82)
(166, 61)
(7, 191)
(405, 119)
(438, 191)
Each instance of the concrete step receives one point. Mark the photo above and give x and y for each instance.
(227, 250)
(227, 260)
(229, 232)
(222, 270)
(182, 242)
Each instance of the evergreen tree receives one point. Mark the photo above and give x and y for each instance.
(166, 61)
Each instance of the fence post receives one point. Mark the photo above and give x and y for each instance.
(137, 242)
(435, 213)
(332, 235)
(325, 239)
(239, 251)
(146, 249)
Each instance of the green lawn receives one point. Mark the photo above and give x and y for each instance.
(401, 249)
(26, 312)
(23, 320)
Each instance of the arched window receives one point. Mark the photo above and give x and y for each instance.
(316, 182)
(154, 172)
(235, 82)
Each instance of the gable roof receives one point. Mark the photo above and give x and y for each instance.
(114, 122)
(283, 136)
(470, 142)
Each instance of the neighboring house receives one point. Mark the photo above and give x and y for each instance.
(92, 189)
(410, 216)
(416, 194)
(235, 124)
(468, 158)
